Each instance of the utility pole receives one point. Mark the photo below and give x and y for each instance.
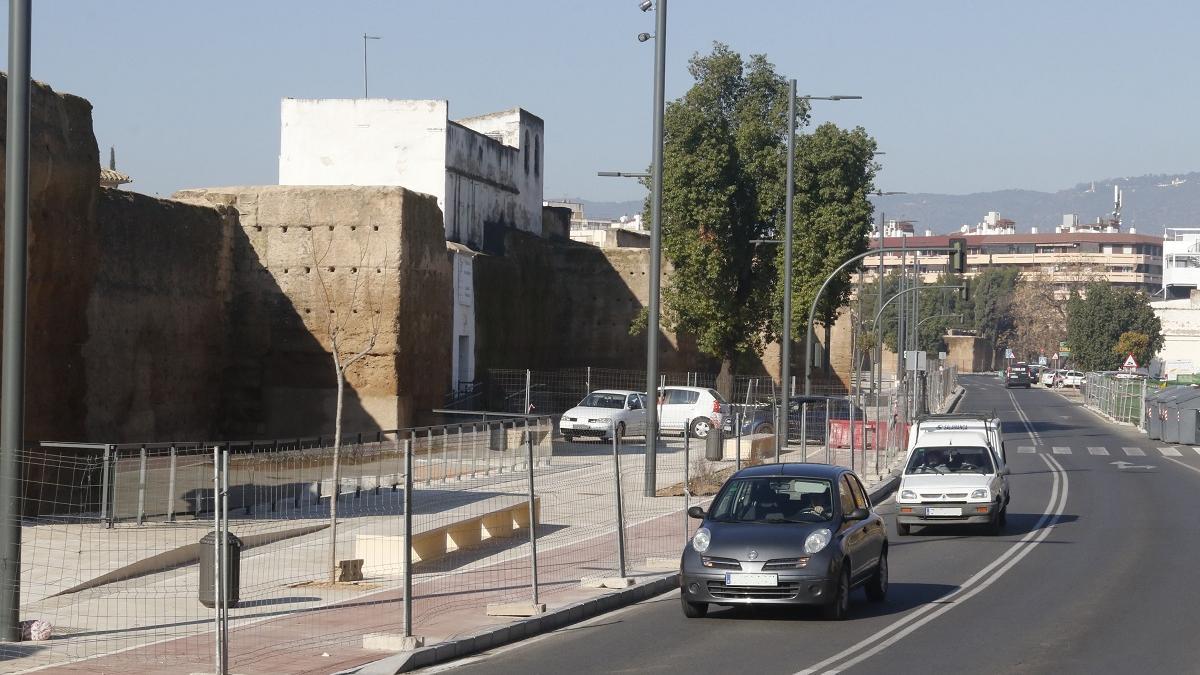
(365, 38)
(652, 323)
(785, 366)
(12, 362)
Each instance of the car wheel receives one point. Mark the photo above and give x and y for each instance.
(568, 438)
(996, 524)
(693, 610)
(903, 529)
(1004, 517)
(878, 585)
(701, 426)
(839, 607)
(765, 429)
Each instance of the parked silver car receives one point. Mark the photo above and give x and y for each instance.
(605, 412)
(795, 534)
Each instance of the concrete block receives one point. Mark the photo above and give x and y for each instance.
(606, 582)
(464, 535)
(515, 609)
(350, 570)
(662, 564)
(760, 445)
(392, 642)
(520, 513)
(498, 525)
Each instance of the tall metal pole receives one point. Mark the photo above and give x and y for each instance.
(365, 38)
(785, 366)
(652, 324)
(879, 280)
(12, 381)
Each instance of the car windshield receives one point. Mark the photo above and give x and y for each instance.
(603, 400)
(950, 459)
(774, 499)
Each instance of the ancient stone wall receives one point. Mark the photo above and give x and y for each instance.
(157, 318)
(312, 263)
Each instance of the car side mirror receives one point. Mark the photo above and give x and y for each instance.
(858, 514)
(1005, 471)
(696, 512)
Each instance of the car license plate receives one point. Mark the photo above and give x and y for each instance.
(743, 579)
(943, 511)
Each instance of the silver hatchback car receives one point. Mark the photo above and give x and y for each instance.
(793, 534)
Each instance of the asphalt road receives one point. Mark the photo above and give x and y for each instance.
(1095, 573)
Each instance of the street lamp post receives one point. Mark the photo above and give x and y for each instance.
(365, 38)
(660, 59)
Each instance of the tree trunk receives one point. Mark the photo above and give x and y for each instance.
(725, 378)
(337, 477)
(827, 352)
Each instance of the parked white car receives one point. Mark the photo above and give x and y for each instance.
(953, 477)
(1048, 377)
(604, 412)
(699, 408)
(1071, 378)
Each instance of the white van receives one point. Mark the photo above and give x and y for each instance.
(954, 473)
(988, 423)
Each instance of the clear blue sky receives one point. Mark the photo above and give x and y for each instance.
(963, 96)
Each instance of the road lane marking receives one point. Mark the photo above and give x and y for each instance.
(1134, 452)
(1097, 451)
(1170, 452)
(977, 583)
(1197, 450)
(1061, 450)
(1033, 434)
(1026, 450)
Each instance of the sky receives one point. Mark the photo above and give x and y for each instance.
(962, 96)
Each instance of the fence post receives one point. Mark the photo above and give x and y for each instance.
(407, 555)
(428, 456)
(475, 447)
(1142, 408)
(528, 377)
(687, 438)
(218, 655)
(850, 402)
(459, 470)
(171, 489)
(222, 538)
(620, 507)
(828, 428)
(532, 520)
(737, 444)
(141, 510)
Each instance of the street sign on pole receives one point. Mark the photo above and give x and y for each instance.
(1008, 353)
(1130, 363)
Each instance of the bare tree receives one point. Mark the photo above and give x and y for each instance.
(351, 320)
(1039, 306)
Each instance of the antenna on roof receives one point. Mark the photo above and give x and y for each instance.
(112, 158)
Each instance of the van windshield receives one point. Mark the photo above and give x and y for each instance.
(950, 459)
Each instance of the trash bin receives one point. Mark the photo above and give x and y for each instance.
(1189, 423)
(1159, 410)
(1173, 424)
(714, 444)
(208, 568)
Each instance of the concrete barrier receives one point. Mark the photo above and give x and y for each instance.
(383, 555)
(754, 445)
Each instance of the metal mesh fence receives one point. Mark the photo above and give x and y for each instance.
(1122, 399)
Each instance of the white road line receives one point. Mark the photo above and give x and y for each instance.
(1033, 434)
(1097, 451)
(1134, 452)
(1197, 450)
(1061, 450)
(906, 624)
(1170, 452)
(1026, 450)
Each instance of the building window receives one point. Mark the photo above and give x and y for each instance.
(525, 147)
(537, 155)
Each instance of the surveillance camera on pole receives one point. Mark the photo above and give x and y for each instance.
(645, 5)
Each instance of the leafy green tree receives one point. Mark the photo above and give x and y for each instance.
(1098, 319)
(724, 175)
(835, 170)
(992, 296)
(1133, 342)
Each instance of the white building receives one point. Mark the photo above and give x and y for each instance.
(1181, 261)
(1180, 354)
(485, 171)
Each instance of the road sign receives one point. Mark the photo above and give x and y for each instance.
(1130, 363)
(1008, 353)
(1063, 348)
(1055, 357)
(1042, 360)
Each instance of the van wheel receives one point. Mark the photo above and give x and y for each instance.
(903, 529)
(701, 426)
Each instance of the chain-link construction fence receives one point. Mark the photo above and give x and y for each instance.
(1122, 399)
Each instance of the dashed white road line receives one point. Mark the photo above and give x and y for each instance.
(1170, 452)
(1097, 450)
(1026, 450)
(1061, 450)
(1134, 452)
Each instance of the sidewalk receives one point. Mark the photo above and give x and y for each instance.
(284, 626)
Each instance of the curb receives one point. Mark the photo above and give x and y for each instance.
(516, 631)
(888, 486)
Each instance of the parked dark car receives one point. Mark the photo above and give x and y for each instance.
(791, 534)
(760, 419)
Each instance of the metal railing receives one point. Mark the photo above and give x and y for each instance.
(1121, 399)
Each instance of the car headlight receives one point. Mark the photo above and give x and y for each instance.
(817, 541)
(701, 540)
(910, 495)
(981, 493)
(597, 420)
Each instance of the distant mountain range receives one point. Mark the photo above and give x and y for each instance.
(1149, 203)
